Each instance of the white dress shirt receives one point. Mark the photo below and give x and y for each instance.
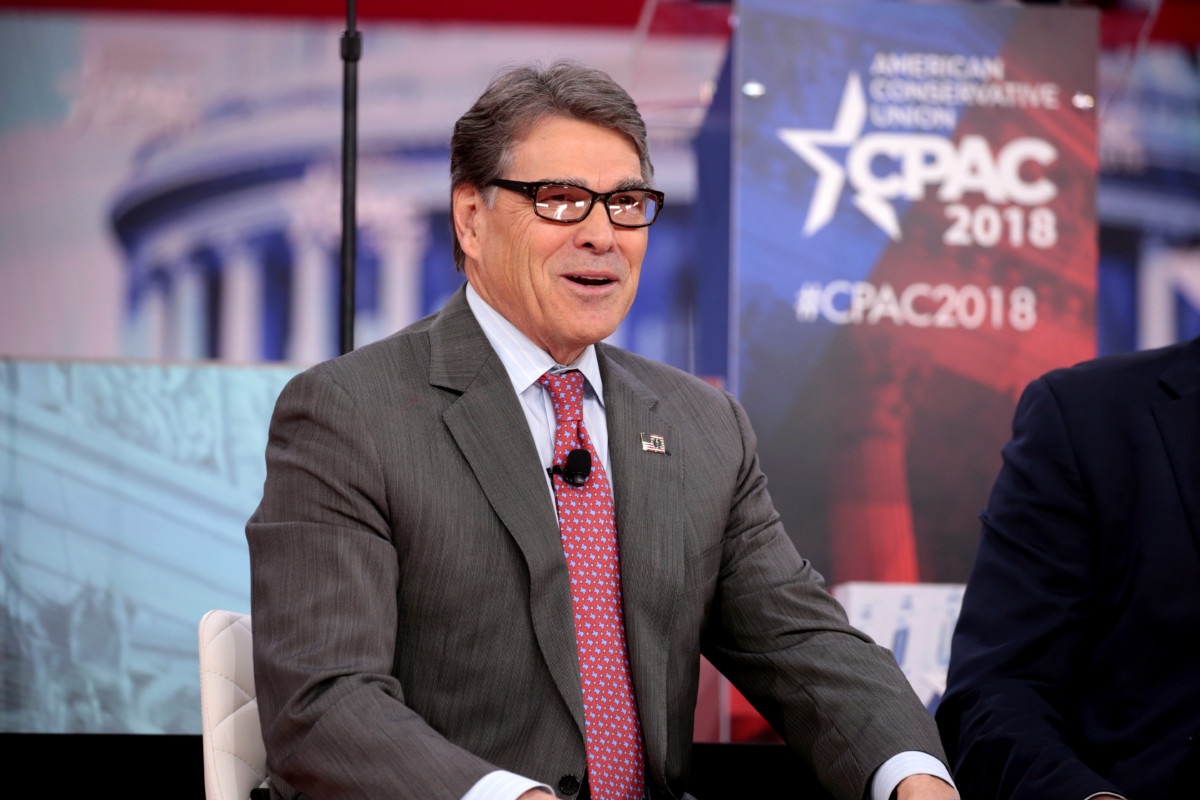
(525, 362)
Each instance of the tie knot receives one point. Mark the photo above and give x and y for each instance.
(566, 394)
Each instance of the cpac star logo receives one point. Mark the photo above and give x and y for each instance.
(807, 144)
(885, 165)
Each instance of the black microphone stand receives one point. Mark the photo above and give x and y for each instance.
(351, 52)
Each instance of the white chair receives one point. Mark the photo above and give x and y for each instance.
(235, 760)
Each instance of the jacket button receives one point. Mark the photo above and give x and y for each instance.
(568, 784)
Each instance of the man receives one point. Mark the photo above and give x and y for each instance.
(426, 627)
(1075, 670)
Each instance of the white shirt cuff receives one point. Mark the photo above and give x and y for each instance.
(900, 766)
(502, 785)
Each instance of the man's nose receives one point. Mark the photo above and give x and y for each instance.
(596, 231)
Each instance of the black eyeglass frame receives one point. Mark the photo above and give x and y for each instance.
(531, 190)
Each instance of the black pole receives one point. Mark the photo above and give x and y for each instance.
(351, 52)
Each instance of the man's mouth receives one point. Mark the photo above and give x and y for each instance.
(584, 280)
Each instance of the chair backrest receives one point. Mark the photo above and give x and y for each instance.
(235, 761)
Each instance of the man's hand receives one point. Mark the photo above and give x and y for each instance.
(925, 787)
(535, 794)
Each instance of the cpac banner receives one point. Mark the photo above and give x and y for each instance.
(1149, 199)
(915, 239)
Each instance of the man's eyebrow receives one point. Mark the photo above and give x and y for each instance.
(622, 186)
(631, 183)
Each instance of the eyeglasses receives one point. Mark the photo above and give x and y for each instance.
(566, 202)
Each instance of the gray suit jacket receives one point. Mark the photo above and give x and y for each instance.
(412, 615)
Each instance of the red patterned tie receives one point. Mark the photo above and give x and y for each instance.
(589, 536)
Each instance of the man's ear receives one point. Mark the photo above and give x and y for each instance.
(466, 204)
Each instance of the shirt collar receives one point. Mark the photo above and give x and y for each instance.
(523, 360)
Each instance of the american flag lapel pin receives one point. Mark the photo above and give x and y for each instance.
(653, 443)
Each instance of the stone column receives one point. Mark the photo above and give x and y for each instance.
(401, 244)
(154, 316)
(313, 302)
(241, 304)
(189, 322)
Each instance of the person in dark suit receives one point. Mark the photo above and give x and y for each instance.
(1075, 671)
(422, 622)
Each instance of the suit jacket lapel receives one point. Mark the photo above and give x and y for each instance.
(490, 429)
(648, 493)
(1177, 413)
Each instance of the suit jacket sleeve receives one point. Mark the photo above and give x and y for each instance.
(324, 589)
(1020, 648)
(835, 697)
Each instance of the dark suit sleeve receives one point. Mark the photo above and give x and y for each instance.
(1019, 653)
(837, 699)
(324, 587)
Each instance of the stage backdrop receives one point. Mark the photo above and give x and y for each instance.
(115, 242)
(915, 239)
(1149, 199)
(172, 196)
(172, 181)
(123, 491)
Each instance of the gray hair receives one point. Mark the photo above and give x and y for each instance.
(484, 137)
